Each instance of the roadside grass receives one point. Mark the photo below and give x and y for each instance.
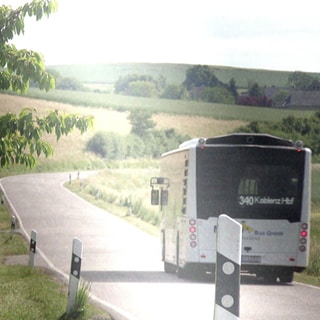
(4, 218)
(27, 293)
(123, 189)
(12, 244)
(33, 293)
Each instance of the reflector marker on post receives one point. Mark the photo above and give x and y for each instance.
(228, 264)
(74, 273)
(33, 246)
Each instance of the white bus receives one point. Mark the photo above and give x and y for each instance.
(260, 180)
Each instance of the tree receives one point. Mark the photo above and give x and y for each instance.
(255, 90)
(280, 96)
(141, 122)
(122, 85)
(21, 135)
(300, 80)
(200, 75)
(142, 89)
(233, 89)
(173, 91)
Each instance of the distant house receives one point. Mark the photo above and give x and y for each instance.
(270, 92)
(302, 99)
(310, 97)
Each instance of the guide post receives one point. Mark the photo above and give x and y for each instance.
(74, 273)
(227, 291)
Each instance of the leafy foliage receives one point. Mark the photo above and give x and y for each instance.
(202, 83)
(64, 83)
(141, 122)
(260, 101)
(200, 76)
(18, 67)
(173, 91)
(142, 89)
(123, 83)
(280, 96)
(291, 127)
(233, 88)
(300, 80)
(255, 90)
(21, 136)
(69, 84)
(112, 146)
(143, 141)
(217, 94)
(108, 145)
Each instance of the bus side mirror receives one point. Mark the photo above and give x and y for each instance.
(154, 197)
(164, 197)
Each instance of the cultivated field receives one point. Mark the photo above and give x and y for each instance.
(69, 152)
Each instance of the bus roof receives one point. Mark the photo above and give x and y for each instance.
(241, 139)
(251, 139)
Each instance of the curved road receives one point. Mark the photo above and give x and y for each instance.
(123, 264)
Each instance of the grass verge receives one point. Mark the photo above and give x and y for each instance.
(34, 293)
(123, 189)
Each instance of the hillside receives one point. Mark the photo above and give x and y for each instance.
(174, 73)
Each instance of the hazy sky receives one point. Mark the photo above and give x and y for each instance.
(277, 35)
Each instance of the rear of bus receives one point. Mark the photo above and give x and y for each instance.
(264, 183)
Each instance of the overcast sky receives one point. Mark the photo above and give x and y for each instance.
(272, 34)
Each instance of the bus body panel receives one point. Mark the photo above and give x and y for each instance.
(270, 244)
(206, 181)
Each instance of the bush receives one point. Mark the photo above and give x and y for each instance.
(293, 128)
(69, 84)
(260, 101)
(135, 84)
(108, 145)
(217, 94)
(115, 147)
(142, 89)
(173, 91)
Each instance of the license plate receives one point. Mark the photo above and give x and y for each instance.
(250, 259)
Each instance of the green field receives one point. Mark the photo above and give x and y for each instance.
(174, 73)
(177, 107)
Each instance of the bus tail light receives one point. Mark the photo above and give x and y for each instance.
(192, 233)
(303, 237)
(303, 233)
(193, 244)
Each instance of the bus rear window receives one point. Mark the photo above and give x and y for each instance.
(249, 182)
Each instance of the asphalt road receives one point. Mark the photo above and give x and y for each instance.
(123, 264)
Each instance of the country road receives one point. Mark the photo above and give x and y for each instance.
(123, 263)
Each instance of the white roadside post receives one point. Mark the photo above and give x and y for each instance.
(74, 273)
(33, 246)
(228, 264)
(13, 223)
